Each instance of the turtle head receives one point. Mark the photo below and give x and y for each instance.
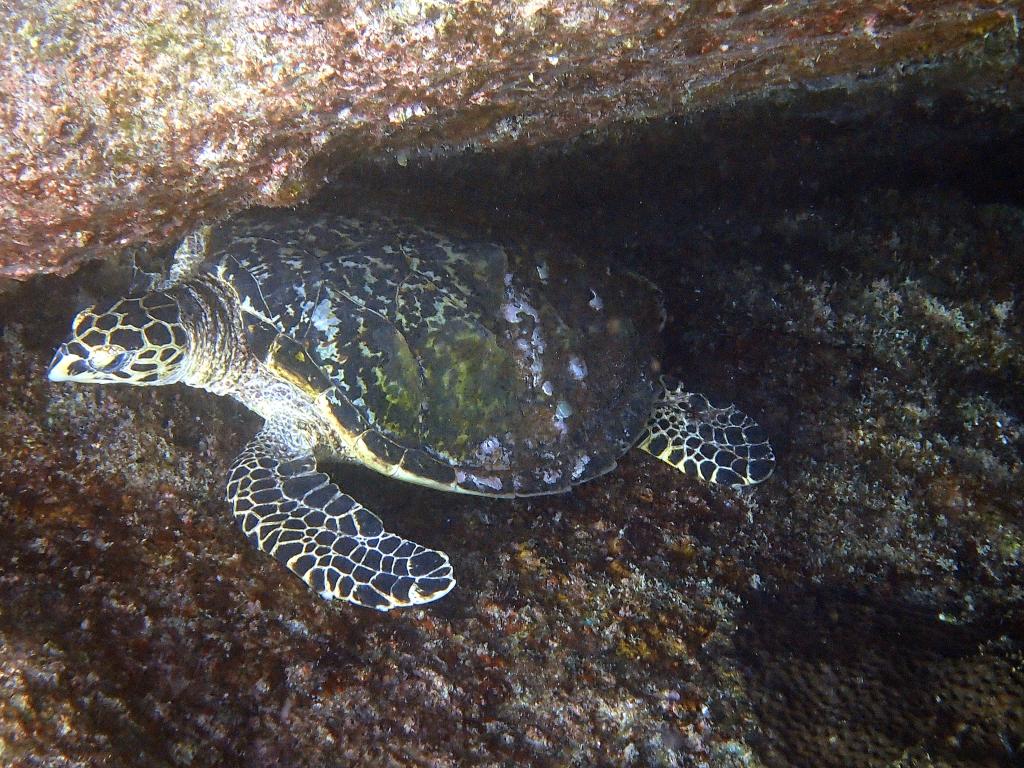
(136, 341)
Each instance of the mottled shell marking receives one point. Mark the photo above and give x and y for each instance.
(456, 364)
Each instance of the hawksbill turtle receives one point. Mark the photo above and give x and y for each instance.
(463, 366)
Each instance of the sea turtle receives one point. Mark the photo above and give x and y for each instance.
(459, 365)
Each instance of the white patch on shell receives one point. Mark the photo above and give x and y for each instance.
(547, 389)
(488, 447)
(492, 455)
(359, 403)
(542, 271)
(328, 351)
(562, 412)
(515, 310)
(579, 466)
(538, 347)
(577, 368)
(552, 476)
(560, 427)
(516, 306)
(323, 318)
(595, 301)
(494, 483)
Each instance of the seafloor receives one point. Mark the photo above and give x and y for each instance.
(864, 607)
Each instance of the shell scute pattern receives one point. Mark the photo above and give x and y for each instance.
(453, 361)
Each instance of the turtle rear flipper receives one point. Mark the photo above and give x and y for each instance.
(718, 445)
(334, 544)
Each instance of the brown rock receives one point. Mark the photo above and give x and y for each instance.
(124, 125)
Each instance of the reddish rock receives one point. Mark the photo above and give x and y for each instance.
(126, 124)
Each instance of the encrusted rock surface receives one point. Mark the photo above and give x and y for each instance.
(865, 607)
(128, 123)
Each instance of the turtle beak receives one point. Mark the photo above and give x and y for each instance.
(66, 366)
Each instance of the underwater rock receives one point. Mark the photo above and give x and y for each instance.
(643, 620)
(831, 689)
(127, 125)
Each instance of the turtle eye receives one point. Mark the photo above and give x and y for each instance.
(109, 359)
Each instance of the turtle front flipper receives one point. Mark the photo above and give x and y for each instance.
(718, 445)
(334, 544)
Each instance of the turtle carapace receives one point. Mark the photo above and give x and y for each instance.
(459, 365)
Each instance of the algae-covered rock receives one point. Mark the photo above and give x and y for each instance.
(128, 123)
